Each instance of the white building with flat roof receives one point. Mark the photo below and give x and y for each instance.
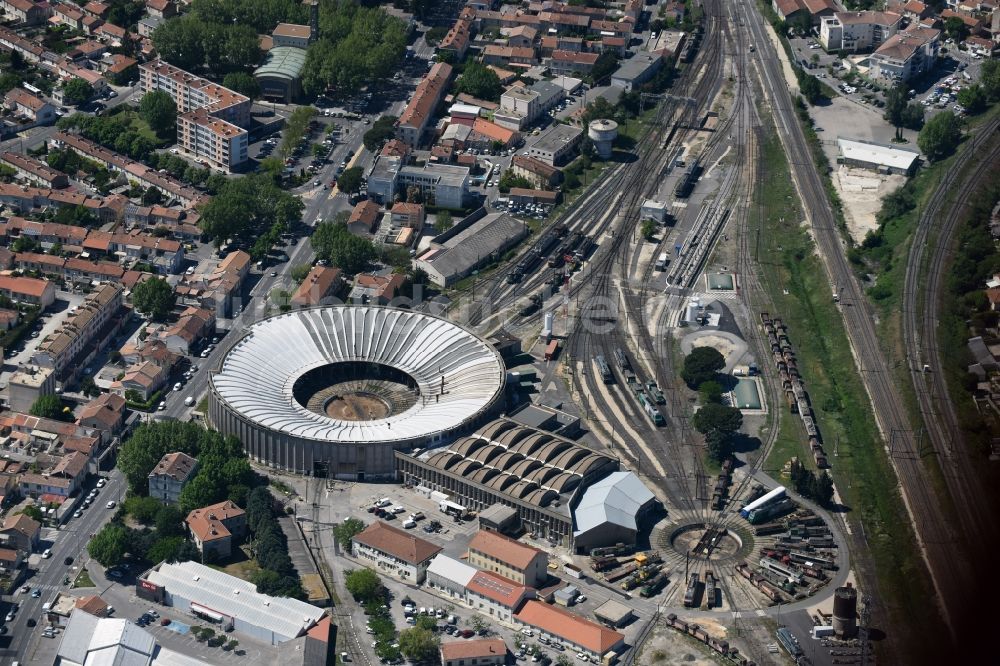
(209, 594)
(882, 158)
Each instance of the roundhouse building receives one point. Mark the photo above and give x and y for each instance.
(334, 391)
(535, 472)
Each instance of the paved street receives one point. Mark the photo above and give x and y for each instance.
(69, 541)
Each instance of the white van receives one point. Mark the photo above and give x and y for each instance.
(409, 524)
(189, 401)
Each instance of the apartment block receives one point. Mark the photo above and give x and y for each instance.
(211, 118)
(67, 346)
(857, 31)
(415, 117)
(906, 55)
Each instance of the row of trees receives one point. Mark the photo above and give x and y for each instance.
(277, 575)
(479, 81)
(155, 298)
(817, 487)
(716, 421)
(191, 42)
(381, 131)
(333, 242)
(161, 537)
(181, 169)
(114, 132)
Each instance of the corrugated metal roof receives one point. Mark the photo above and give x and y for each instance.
(451, 569)
(616, 499)
(287, 618)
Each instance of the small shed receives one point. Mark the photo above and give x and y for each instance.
(566, 595)
(614, 613)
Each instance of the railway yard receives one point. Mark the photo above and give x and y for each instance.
(622, 311)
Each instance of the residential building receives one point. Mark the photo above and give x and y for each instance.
(410, 215)
(456, 42)
(34, 172)
(496, 596)
(216, 529)
(83, 333)
(320, 286)
(556, 144)
(571, 62)
(788, 10)
(515, 57)
(170, 475)
(364, 218)
(414, 120)
(26, 12)
(599, 643)
(61, 481)
(106, 413)
(383, 179)
(32, 107)
(94, 605)
(376, 289)
(162, 9)
(148, 24)
(520, 195)
(906, 55)
(10, 562)
(394, 551)
(858, 31)
(28, 290)
(144, 378)
(480, 652)
(20, 532)
(191, 326)
(210, 117)
(538, 173)
(486, 135)
(27, 385)
(509, 558)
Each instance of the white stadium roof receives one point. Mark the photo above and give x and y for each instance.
(258, 373)
(236, 598)
(616, 499)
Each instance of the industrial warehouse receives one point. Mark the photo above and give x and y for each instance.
(540, 475)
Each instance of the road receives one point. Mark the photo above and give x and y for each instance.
(938, 538)
(69, 541)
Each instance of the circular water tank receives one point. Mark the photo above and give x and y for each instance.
(603, 132)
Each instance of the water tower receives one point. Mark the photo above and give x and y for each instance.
(845, 605)
(602, 133)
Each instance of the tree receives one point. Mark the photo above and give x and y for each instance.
(169, 521)
(299, 272)
(940, 136)
(33, 512)
(350, 180)
(810, 89)
(701, 365)
(243, 83)
(50, 407)
(989, 78)
(956, 29)
(152, 196)
(363, 584)
(418, 644)
(109, 545)
(154, 297)
(381, 131)
(710, 391)
(716, 417)
(248, 207)
(895, 104)
(480, 81)
(157, 108)
(647, 228)
(823, 493)
(77, 91)
(172, 549)
(510, 180)
(333, 242)
(604, 66)
(151, 441)
(718, 445)
(346, 531)
(444, 222)
(179, 42)
(143, 509)
(972, 98)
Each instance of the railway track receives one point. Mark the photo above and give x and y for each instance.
(952, 577)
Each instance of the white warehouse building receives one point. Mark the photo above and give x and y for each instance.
(231, 602)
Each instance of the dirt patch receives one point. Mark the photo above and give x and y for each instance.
(862, 192)
(357, 407)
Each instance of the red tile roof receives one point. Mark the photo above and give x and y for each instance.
(394, 541)
(497, 588)
(504, 549)
(569, 627)
(484, 647)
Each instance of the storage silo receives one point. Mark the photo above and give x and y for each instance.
(603, 132)
(692, 310)
(845, 607)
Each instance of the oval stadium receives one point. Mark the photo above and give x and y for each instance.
(333, 391)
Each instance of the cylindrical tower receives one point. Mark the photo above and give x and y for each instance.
(845, 606)
(602, 133)
(692, 310)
